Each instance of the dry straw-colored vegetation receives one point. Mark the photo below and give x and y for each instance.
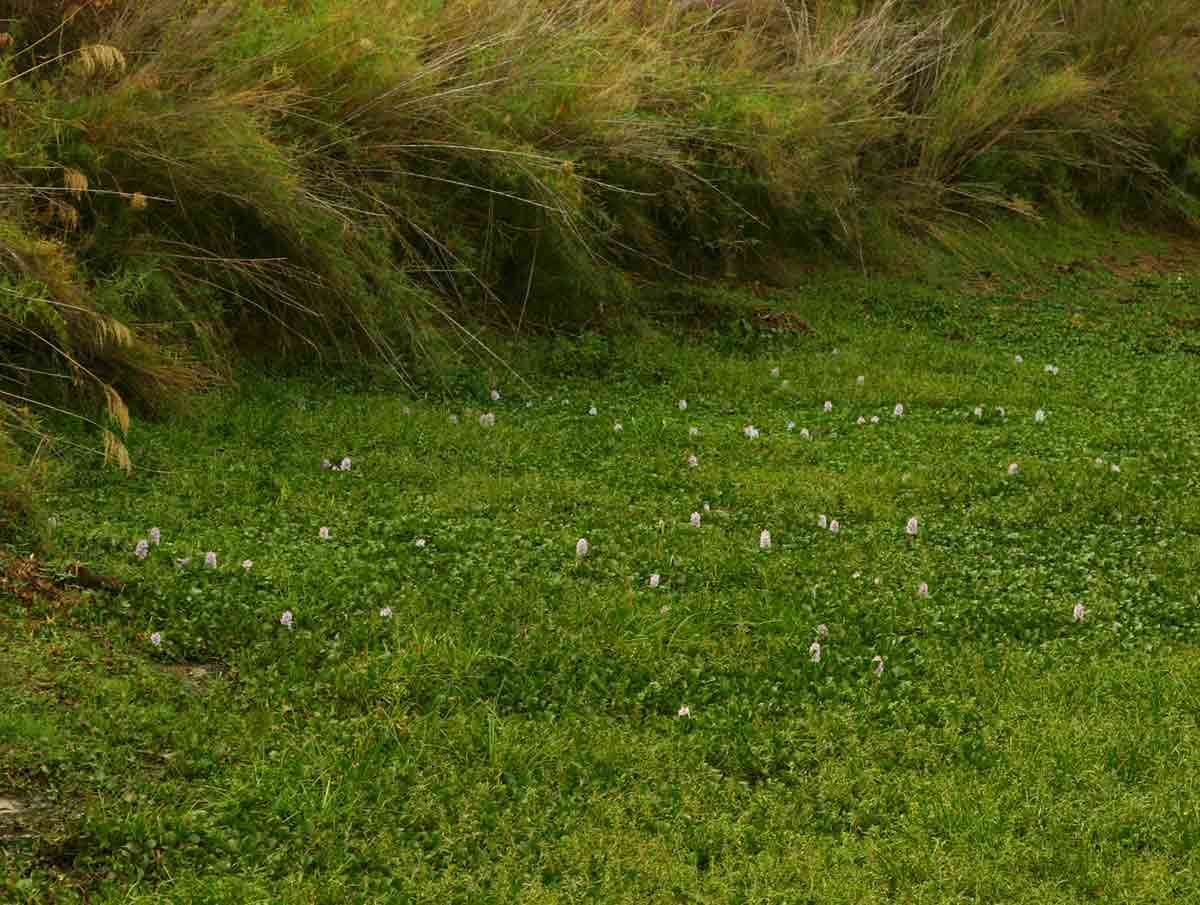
(181, 180)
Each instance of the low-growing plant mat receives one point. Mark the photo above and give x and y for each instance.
(457, 707)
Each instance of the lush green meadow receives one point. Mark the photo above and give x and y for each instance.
(510, 728)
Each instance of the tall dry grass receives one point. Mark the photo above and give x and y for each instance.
(184, 181)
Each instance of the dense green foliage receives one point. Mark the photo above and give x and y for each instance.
(184, 181)
(511, 731)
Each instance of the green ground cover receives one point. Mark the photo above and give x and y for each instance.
(509, 728)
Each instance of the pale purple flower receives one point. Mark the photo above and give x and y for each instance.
(1039, 416)
(156, 639)
(814, 651)
(822, 522)
(750, 431)
(1077, 613)
(247, 564)
(682, 403)
(877, 661)
(581, 548)
(286, 619)
(346, 464)
(142, 550)
(386, 612)
(654, 580)
(804, 434)
(979, 411)
(861, 420)
(693, 461)
(323, 533)
(923, 589)
(874, 419)
(618, 427)
(828, 405)
(155, 536)
(210, 559)
(774, 372)
(685, 711)
(898, 411)
(835, 526)
(912, 527)
(487, 419)
(860, 379)
(1013, 468)
(822, 631)
(592, 411)
(764, 540)
(695, 519)
(495, 394)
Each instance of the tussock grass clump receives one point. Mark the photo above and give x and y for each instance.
(184, 181)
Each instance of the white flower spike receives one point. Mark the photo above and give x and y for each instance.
(581, 548)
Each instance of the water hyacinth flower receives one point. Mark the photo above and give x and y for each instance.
(923, 589)
(828, 405)
(898, 411)
(695, 520)
(1078, 613)
(775, 372)
(835, 526)
(581, 548)
(1039, 416)
(286, 619)
(592, 411)
(693, 461)
(682, 403)
(386, 612)
(156, 639)
(860, 379)
(210, 559)
(979, 411)
(804, 434)
(495, 394)
(861, 420)
(822, 631)
(764, 540)
(912, 527)
(487, 419)
(247, 564)
(142, 550)
(685, 712)
(1013, 468)
(693, 432)
(874, 419)
(750, 431)
(822, 522)
(654, 580)
(877, 661)
(345, 464)
(618, 427)
(323, 533)
(814, 651)
(155, 536)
